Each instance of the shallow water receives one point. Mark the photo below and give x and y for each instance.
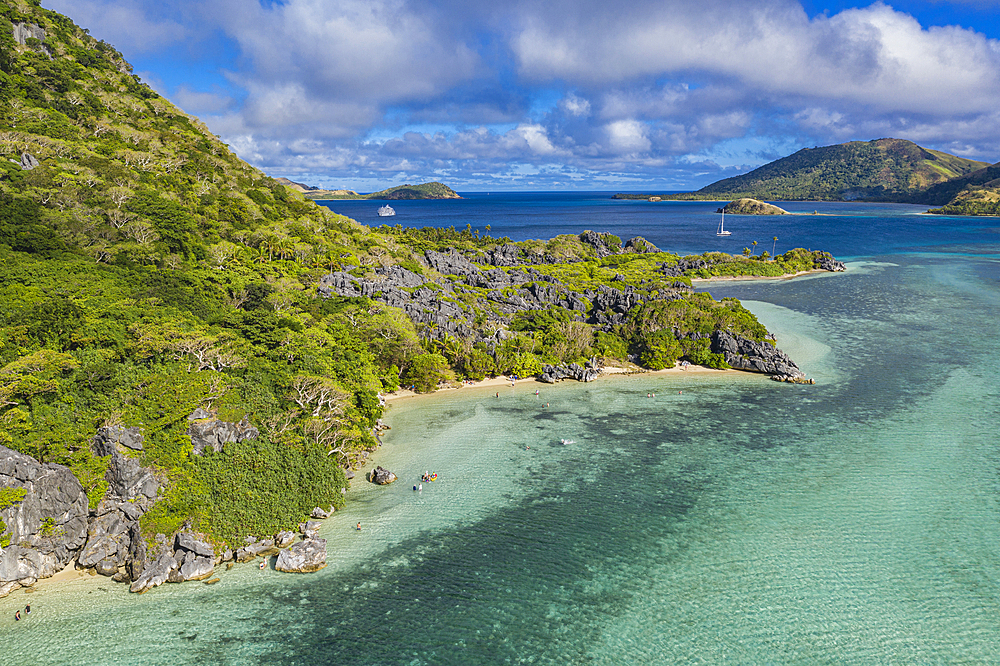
(728, 519)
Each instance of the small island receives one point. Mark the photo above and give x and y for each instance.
(402, 192)
(747, 206)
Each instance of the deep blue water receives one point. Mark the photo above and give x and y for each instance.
(848, 230)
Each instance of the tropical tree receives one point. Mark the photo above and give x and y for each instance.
(773, 242)
(754, 243)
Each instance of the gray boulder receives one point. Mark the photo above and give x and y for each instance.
(106, 567)
(310, 529)
(304, 557)
(154, 574)
(319, 513)
(382, 476)
(188, 542)
(197, 568)
(264, 547)
(284, 539)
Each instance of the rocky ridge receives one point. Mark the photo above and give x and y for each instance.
(52, 525)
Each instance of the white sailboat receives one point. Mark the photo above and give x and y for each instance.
(722, 231)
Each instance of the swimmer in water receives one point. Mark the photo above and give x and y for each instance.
(359, 527)
(263, 564)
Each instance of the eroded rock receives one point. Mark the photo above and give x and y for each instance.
(304, 557)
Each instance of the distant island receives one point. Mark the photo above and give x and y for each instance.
(423, 191)
(751, 207)
(885, 170)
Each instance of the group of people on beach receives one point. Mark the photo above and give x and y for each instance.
(27, 611)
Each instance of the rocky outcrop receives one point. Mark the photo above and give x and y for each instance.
(29, 162)
(382, 477)
(264, 547)
(208, 432)
(310, 529)
(47, 526)
(25, 31)
(826, 262)
(744, 354)
(304, 557)
(551, 374)
(284, 539)
(154, 574)
(321, 513)
(107, 437)
(639, 245)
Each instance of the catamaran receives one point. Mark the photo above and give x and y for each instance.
(722, 231)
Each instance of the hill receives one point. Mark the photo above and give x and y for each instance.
(425, 191)
(194, 345)
(880, 170)
(977, 193)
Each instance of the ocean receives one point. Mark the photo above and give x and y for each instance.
(727, 520)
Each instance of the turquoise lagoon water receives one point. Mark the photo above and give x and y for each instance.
(727, 520)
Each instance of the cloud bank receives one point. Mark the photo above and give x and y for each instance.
(580, 93)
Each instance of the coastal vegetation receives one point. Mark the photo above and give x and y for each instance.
(150, 279)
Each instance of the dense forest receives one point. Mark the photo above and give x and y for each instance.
(148, 275)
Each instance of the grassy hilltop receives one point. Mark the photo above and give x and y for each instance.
(146, 271)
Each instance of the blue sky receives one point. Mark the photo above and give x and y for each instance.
(565, 94)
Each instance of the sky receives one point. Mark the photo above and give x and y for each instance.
(494, 95)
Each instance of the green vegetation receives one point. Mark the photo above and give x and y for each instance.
(145, 272)
(880, 170)
(424, 191)
(8, 497)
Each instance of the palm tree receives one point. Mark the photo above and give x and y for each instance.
(746, 252)
(754, 243)
(773, 241)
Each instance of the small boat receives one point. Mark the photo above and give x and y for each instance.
(722, 231)
(429, 477)
(567, 441)
(386, 211)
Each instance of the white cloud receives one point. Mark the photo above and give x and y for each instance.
(128, 26)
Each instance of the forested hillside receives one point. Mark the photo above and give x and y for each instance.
(149, 279)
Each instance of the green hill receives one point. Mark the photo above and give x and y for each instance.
(147, 275)
(881, 170)
(978, 193)
(425, 191)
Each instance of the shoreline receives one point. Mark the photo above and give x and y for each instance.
(752, 278)
(71, 576)
(607, 372)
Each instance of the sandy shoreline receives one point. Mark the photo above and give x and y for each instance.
(70, 575)
(747, 278)
(611, 371)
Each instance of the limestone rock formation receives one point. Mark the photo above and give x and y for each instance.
(304, 557)
(154, 574)
(131, 438)
(551, 374)
(382, 476)
(744, 354)
(208, 432)
(48, 525)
